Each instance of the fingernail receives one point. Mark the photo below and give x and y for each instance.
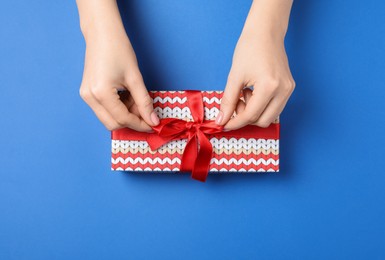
(219, 117)
(154, 118)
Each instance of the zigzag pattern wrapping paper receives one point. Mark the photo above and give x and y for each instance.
(229, 154)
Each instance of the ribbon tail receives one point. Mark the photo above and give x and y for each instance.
(202, 162)
(189, 155)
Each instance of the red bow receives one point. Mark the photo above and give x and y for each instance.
(198, 151)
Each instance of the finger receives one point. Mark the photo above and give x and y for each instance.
(229, 101)
(254, 108)
(104, 117)
(272, 112)
(247, 93)
(129, 102)
(110, 100)
(240, 107)
(134, 109)
(143, 101)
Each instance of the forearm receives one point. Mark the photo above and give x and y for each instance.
(259, 61)
(268, 18)
(100, 18)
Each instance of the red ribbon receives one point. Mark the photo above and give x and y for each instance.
(198, 151)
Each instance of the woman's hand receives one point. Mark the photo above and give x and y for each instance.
(260, 61)
(111, 65)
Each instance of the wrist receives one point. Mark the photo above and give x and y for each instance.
(100, 19)
(268, 19)
(263, 35)
(103, 32)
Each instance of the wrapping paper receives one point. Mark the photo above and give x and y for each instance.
(253, 149)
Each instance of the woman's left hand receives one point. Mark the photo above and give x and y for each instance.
(260, 61)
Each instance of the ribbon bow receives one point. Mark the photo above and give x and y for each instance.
(198, 151)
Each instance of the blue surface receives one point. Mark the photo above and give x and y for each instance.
(59, 199)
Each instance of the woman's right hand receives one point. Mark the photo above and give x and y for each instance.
(111, 65)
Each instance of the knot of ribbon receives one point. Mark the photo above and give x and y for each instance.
(198, 151)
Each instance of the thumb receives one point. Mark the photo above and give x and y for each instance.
(143, 102)
(229, 101)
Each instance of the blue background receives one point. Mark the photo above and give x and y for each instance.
(59, 199)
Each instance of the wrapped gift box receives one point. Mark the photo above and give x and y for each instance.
(249, 149)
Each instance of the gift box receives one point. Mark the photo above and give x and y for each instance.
(188, 140)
